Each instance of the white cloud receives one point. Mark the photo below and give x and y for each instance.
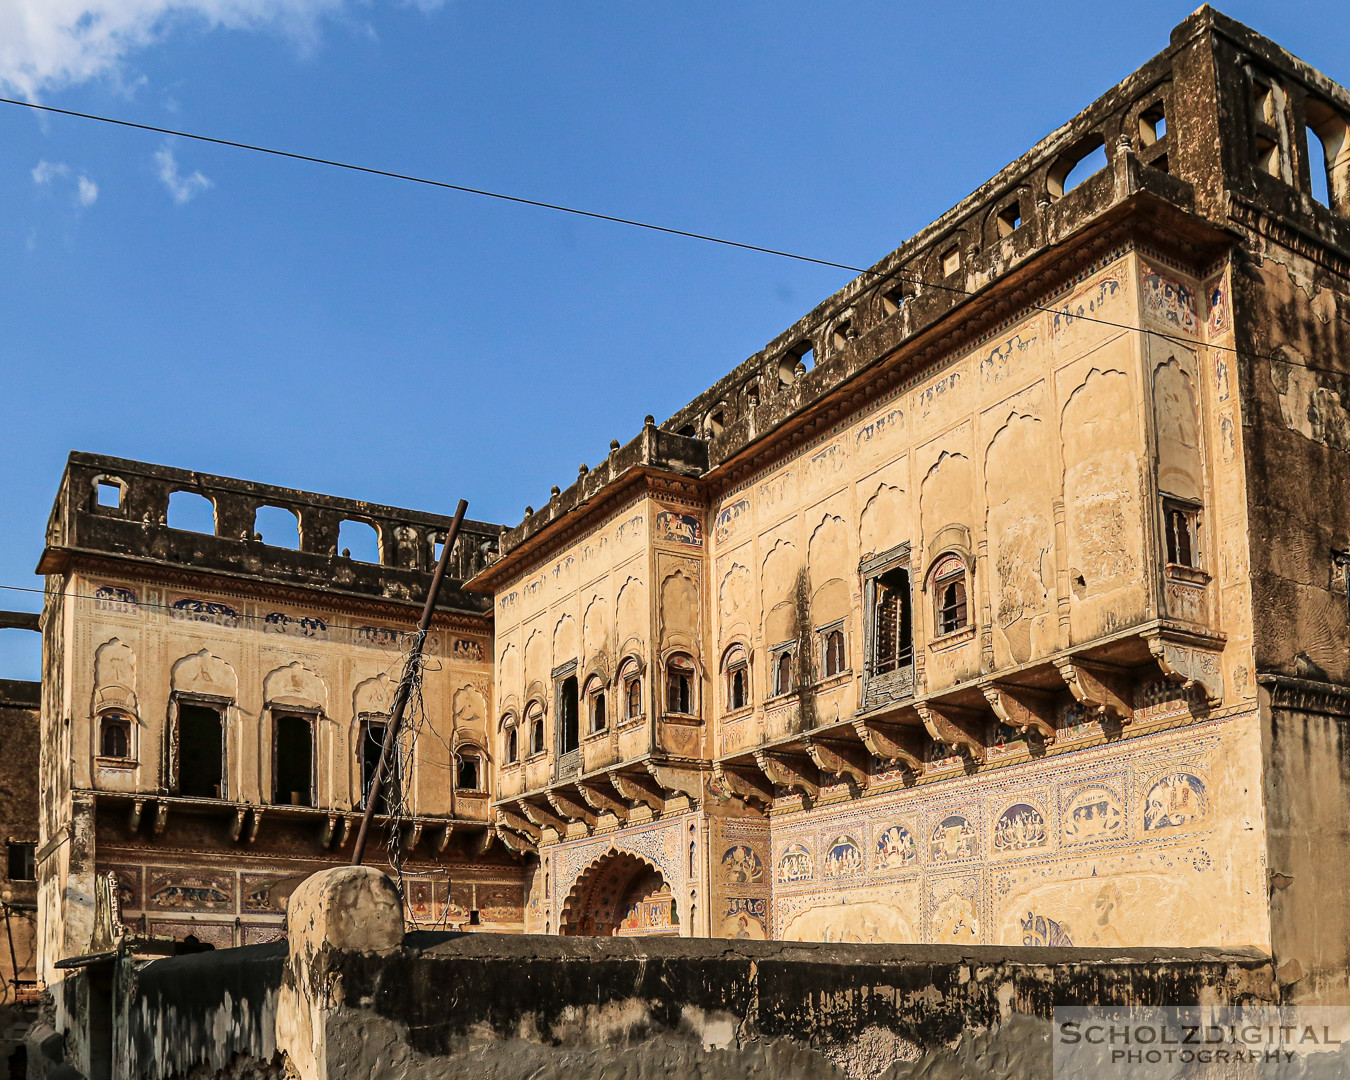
(86, 193)
(182, 188)
(48, 44)
(47, 171)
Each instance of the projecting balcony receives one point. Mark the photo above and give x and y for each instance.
(1130, 681)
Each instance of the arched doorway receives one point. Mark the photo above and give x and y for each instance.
(620, 895)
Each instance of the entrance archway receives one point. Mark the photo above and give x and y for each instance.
(620, 895)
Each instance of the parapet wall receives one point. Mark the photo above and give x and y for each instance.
(441, 1005)
(113, 508)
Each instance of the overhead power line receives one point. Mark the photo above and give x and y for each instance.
(890, 275)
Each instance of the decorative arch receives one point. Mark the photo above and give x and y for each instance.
(295, 686)
(204, 673)
(617, 888)
(115, 677)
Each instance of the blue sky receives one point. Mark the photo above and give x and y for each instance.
(218, 310)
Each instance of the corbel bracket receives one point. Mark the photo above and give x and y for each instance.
(1024, 708)
(956, 726)
(1107, 689)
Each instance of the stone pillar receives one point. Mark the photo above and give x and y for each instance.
(349, 909)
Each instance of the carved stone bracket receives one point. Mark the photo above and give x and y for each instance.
(678, 779)
(253, 824)
(485, 841)
(545, 819)
(518, 844)
(956, 726)
(517, 824)
(161, 817)
(411, 837)
(895, 743)
(737, 783)
(1108, 689)
(839, 759)
(1190, 667)
(328, 831)
(134, 818)
(1024, 708)
(603, 801)
(795, 772)
(638, 788)
(571, 809)
(443, 837)
(237, 824)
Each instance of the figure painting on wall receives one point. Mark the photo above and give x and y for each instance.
(954, 838)
(1176, 799)
(741, 866)
(843, 858)
(1020, 827)
(795, 865)
(895, 848)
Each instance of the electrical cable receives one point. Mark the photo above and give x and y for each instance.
(890, 275)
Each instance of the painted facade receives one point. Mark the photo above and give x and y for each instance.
(1001, 599)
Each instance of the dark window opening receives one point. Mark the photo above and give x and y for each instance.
(372, 745)
(952, 610)
(569, 728)
(294, 762)
(782, 673)
(201, 752)
(688, 431)
(680, 685)
(843, 334)
(1181, 524)
(537, 734)
(466, 772)
(834, 653)
(473, 917)
(512, 746)
(1009, 219)
(892, 624)
(114, 740)
(22, 861)
(599, 721)
(738, 695)
(633, 696)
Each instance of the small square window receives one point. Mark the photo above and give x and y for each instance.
(951, 261)
(1009, 219)
(22, 861)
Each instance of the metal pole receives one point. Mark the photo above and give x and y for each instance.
(405, 686)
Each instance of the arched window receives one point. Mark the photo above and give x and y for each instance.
(630, 678)
(951, 609)
(534, 721)
(114, 735)
(680, 674)
(469, 769)
(510, 739)
(736, 676)
(833, 659)
(782, 672)
(292, 760)
(595, 704)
